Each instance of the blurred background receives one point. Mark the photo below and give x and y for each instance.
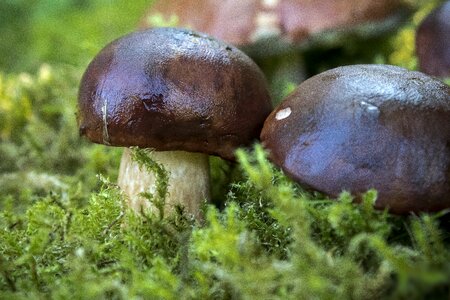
(63, 31)
(73, 31)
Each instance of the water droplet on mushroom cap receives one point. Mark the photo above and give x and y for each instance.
(153, 102)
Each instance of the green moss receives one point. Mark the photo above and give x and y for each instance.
(273, 239)
(66, 31)
(40, 146)
(158, 198)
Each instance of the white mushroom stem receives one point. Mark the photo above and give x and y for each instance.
(188, 180)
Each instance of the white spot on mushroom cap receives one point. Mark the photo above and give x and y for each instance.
(370, 108)
(283, 114)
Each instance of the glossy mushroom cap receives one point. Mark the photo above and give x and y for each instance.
(244, 22)
(367, 126)
(173, 89)
(433, 42)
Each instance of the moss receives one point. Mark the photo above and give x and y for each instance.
(67, 31)
(326, 249)
(158, 198)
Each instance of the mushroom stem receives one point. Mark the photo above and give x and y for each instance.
(188, 180)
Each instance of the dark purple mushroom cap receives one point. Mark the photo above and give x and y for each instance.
(433, 42)
(173, 89)
(367, 126)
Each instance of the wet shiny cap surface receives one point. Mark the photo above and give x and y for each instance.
(173, 89)
(367, 126)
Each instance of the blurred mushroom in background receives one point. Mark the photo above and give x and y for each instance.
(276, 32)
(433, 42)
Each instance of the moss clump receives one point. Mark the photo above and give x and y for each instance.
(273, 239)
(40, 147)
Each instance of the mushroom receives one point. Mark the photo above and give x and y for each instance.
(180, 92)
(273, 31)
(247, 23)
(433, 42)
(367, 126)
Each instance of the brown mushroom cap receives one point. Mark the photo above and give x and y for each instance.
(173, 89)
(433, 42)
(367, 126)
(244, 22)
